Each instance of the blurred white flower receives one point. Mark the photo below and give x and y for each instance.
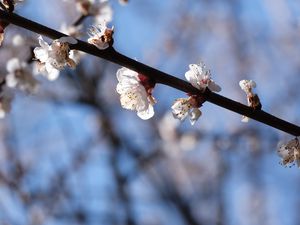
(19, 76)
(73, 31)
(18, 40)
(103, 12)
(123, 2)
(252, 99)
(53, 58)
(100, 9)
(101, 36)
(290, 152)
(200, 78)
(183, 107)
(134, 95)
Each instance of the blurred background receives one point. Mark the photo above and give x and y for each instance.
(70, 154)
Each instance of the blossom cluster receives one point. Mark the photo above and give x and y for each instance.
(135, 89)
(136, 93)
(54, 57)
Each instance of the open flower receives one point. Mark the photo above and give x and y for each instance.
(252, 99)
(19, 76)
(290, 152)
(200, 77)
(53, 58)
(183, 107)
(136, 92)
(101, 36)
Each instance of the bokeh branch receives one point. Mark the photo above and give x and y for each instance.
(112, 55)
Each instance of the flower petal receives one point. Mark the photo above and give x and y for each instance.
(146, 114)
(195, 113)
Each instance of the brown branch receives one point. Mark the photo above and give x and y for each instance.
(112, 55)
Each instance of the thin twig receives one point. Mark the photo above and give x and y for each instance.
(112, 55)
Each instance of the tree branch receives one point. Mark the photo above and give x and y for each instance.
(112, 55)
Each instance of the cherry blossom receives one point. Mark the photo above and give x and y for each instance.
(53, 58)
(101, 36)
(19, 76)
(183, 107)
(200, 78)
(73, 31)
(136, 92)
(252, 99)
(290, 152)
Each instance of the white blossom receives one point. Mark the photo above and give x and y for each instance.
(133, 94)
(18, 40)
(103, 12)
(101, 36)
(290, 152)
(73, 31)
(100, 9)
(247, 85)
(252, 99)
(53, 58)
(200, 78)
(183, 107)
(19, 76)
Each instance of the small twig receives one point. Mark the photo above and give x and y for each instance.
(112, 55)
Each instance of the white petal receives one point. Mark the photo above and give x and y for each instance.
(41, 54)
(53, 73)
(180, 108)
(11, 80)
(129, 100)
(194, 115)
(124, 72)
(245, 119)
(146, 114)
(192, 78)
(213, 86)
(13, 65)
(43, 44)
